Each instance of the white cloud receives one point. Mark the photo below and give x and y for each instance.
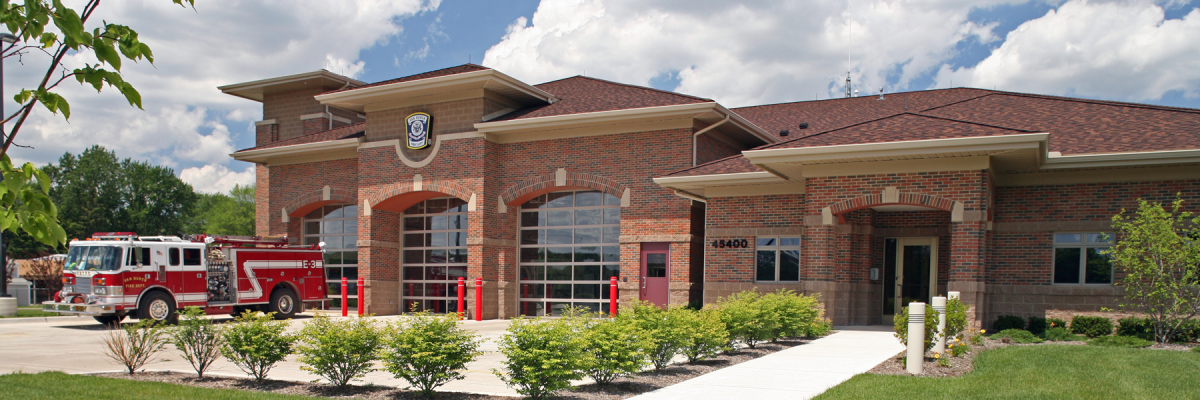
(1120, 50)
(216, 178)
(739, 53)
(221, 42)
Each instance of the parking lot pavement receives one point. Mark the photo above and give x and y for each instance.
(75, 345)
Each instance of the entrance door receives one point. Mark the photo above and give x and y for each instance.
(911, 265)
(655, 281)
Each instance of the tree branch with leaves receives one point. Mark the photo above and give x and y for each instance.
(50, 24)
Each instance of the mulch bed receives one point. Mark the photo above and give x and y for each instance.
(620, 389)
(966, 363)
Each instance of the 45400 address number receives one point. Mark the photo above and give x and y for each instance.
(731, 243)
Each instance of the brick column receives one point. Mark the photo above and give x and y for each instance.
(265, 132)
(262, 200)
(379, 261)
(968, 251)
(817, 268)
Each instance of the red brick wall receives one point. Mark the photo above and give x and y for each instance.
(290, 182)
(710, 149)
(262, 200)
(287, 107)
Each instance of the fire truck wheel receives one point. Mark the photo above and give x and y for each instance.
(283, 303)
(111, 319)
(159, 307)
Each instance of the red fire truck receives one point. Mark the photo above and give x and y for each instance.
(116, 274)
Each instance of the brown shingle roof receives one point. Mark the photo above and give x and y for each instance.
(1076, 126)
(581, 94)
(345, 132)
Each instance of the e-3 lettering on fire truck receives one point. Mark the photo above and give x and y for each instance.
(116, 274)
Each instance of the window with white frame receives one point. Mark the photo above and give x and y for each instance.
(1079, 258)
(777, 259)
(337, 226)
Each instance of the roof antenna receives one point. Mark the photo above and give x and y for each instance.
(850, 39)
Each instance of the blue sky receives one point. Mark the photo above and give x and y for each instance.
(738, 53)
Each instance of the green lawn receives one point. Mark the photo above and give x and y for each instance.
(1043, 372)
(32, 311)
(57, 385)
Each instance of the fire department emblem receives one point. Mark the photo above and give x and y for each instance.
(417, 126)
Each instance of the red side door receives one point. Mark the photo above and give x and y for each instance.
(656, 281)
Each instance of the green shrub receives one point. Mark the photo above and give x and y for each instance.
(1188, 332)
(1091, 326)
(788, 314)
(1037, 326)
(255, 342)
(1058, 334)
(541, 357)
(1141, 328)
(338, 350)
(666, 330)
(1196, 349)
(706, 334)
(617, 348)
(1006, 322)
(956, 319)
(1120, 341)
(743, 319)
(428, 350)
(1017, 336)
(901, 325)
(820, 327)
(198, 339)
(134, 345)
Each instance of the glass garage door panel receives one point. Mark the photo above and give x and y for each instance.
(569, 248)
(433, 255)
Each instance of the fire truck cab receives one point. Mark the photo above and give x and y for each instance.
(117, 274)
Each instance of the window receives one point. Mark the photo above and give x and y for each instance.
(191, 256)
(337, 226)
(434, 254)
(139, 256)
(569, 249)
(174, 255)
(1078, 258)
(777, 259)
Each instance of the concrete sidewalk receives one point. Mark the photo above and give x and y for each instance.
(800, 372)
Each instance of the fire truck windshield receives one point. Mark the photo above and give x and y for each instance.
(93, 258)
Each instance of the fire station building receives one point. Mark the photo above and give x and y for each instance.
(546, 191)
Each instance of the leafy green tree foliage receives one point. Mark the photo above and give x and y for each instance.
(45, 25)
(541, 356)
(25, 205)
(338, 350)
(429, 350)
(97, 192)
(198, 338)
(1159, 252)
(255, 342)
(221, 214)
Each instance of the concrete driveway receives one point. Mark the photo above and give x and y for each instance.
(74, 345)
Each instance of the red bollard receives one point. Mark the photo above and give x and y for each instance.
(479, 299)
(612, 296)
(361, 296)
(345, 298)
(462, 293)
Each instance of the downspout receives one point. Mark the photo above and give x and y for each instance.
(330, 115)
(701, 132)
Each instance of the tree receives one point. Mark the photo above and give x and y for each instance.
(41, 25)
(220, 214)
(99, 193)
(1159, 252)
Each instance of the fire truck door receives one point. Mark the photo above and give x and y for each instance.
(195, 282)
(175, 273)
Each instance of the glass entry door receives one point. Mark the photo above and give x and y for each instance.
(910, 273)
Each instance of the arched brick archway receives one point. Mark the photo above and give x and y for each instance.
(400, 195)
(302, 205)
(560, 180)
(891, 197)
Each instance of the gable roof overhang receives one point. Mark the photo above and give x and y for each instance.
(436, 89)
(737, 129)
(302, 153)
(255, 90)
